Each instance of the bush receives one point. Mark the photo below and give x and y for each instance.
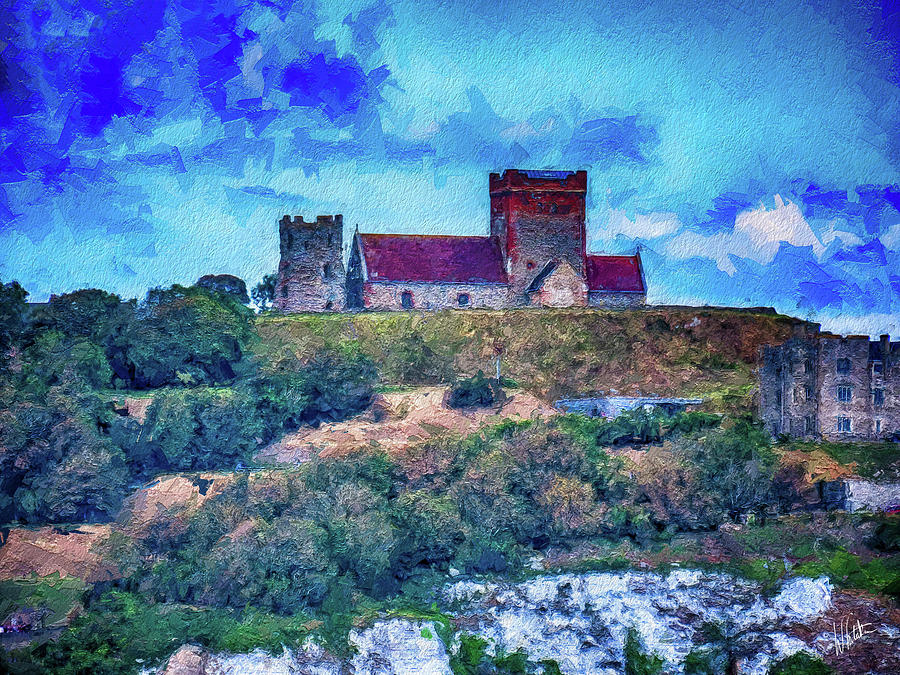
(195, 429)
(476, 391)
(328, 387)
(637, 661)
(800, 663)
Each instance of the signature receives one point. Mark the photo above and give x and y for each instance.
(846, 634)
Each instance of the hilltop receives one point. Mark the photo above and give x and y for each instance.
(675, 351)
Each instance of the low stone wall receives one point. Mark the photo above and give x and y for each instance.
(616, 300)
(865, 495)
(389, 295)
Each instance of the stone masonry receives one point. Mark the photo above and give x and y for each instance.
(819, 385)
(311, 273)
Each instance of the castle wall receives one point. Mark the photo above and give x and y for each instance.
(311, 272)
(616, 300)
(827, 386)
(387, 296)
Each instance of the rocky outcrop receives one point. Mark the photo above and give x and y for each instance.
(581, 621)
(578, 620)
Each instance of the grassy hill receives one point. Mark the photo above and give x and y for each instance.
(666, 350)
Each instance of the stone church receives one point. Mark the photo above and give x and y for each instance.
(534, 256)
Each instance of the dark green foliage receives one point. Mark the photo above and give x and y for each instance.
(800, 663)
(329, 386)
(12, 317)
(263, 293)
(476, 391)
(887, 535)
(56, 461)
(226, 284)
(193, 429)
(122, 627)
(637, 661)
(185, 336)
(472, 659)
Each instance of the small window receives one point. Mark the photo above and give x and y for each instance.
(843, 424)
(406, 300)
(306, 245)
(329, 306)
(845, 394)
(808, 366)
(326, 271)
(810, 424)
(843, 366)
(797, 396)
(809, 393)
(877, 426)
(878, 397)
(778, 397)
(877, 367)
(462, 299)
(284, 291)
(530, 264)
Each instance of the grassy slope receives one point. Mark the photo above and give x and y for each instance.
(666, 351)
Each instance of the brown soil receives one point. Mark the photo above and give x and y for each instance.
(408, 417)
(48, 550)
(817, 465)
(170, 494)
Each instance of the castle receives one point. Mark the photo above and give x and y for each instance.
(534, 256)
(820, 385)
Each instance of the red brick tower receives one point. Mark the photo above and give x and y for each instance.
(539, 218)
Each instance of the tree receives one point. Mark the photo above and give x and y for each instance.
(12, 313)
(264, 292)
(185, 336)
(227, 284)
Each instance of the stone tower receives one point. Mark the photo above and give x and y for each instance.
(539, 218)
(311, 271)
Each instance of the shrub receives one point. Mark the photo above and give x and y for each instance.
(476, 391)
(637, 661)
(800, 663)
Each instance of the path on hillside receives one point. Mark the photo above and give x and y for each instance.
(395, 421)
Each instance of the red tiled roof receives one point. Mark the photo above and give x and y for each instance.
(432, 258)
(614, 273)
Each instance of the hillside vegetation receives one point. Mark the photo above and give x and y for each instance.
(666, 351)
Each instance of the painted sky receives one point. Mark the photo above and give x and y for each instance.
(752, 149)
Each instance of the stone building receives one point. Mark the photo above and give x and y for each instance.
(311, 273)
(819, 385)
(534, 255)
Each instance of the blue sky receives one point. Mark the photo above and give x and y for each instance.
(751, 149)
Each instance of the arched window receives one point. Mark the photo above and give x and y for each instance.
(406, 300)
(326, 271)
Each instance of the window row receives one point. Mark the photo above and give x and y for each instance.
(407, 301)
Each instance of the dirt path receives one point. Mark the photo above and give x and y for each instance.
(395, 421)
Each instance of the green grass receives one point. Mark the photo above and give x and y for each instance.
(662, 350)
(56, 594)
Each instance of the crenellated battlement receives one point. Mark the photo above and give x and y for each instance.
(320, 221)
(538, 180)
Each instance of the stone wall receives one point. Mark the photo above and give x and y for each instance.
(855, 351)
(815, 386)
(865, 495)
(616, 299)
(382, 295)
(311, 272)
(538, 220)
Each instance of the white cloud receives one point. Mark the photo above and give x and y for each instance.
(757, 236)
